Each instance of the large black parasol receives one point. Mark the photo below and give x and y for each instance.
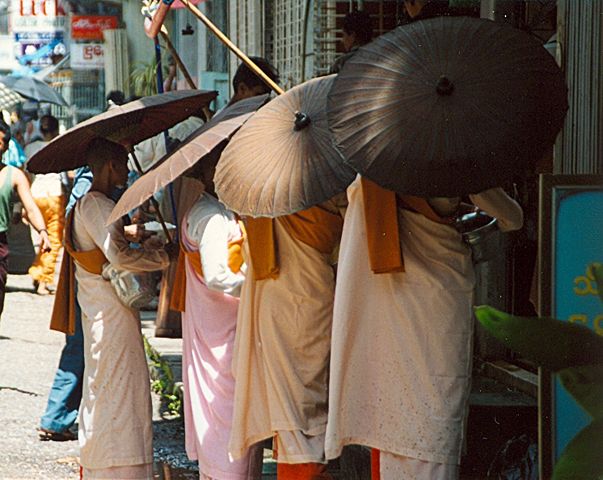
(447, 106)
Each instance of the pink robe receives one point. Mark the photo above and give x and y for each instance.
(208, 332)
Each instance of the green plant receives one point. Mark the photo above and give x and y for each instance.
(143, 78)
(162, 380)
(575, 353)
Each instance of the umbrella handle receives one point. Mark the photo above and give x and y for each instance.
(153, 200)
(236, 50)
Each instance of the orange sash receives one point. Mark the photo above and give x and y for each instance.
(178, 299)
(63, 311)
(262, 247)
(315, 227)
(382, 233)
(382, 229)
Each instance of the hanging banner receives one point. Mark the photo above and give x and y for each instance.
(87, 56)
(91, 27)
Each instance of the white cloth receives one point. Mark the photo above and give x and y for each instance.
(394, 467)
(401, 350)
(212, 227)
(115, 412)
(152, 149)
(44, 184)
(282, 353)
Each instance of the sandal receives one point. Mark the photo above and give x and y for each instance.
(48, 435)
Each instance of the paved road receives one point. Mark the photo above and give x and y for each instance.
(29, 354)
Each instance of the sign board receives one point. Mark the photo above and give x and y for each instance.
(35, 48)
(37, 16)
(87, 56)
(571, 240)
(90, 27)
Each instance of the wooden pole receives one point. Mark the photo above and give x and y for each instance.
(236, 50)
(177, 58)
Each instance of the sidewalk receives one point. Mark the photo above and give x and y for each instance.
(497, 414)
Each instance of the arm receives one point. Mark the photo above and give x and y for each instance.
(212, 238)
(496, 203)
(112, 241)
(34, 216)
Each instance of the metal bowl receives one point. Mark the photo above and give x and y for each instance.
(480, 232)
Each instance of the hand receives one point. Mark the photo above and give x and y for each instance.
(44, 241)
(134, 232)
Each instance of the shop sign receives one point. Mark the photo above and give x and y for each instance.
(35, 49)
(572, 228)
(37, 16)
(87, 56)
(90, 27)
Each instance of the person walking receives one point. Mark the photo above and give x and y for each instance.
(47, 190)
(12, 180)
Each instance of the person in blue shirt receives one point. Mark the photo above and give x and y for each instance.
(66, 391)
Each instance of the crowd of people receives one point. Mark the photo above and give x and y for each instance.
(316, 330)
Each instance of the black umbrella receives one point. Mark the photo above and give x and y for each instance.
(34, 89)
(447, 106)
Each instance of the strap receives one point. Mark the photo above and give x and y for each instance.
(316, 227)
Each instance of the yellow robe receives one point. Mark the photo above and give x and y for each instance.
(282, 347)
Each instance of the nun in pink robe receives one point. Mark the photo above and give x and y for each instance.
(208, 332)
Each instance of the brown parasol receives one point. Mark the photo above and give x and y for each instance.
(283, 159)
(127, 124)
(447, 106)
(198, 145)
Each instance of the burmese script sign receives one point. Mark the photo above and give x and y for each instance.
(91, 27)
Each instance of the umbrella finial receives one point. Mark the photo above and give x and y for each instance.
(445, 86)
(301, 121)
